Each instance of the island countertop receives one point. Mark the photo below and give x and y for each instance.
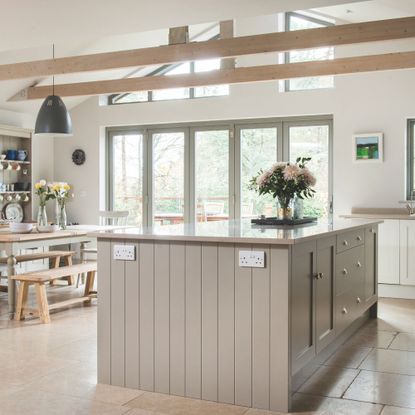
(237, 231)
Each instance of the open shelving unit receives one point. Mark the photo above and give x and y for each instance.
(14, 138)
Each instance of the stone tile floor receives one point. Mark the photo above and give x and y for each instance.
(51, 369)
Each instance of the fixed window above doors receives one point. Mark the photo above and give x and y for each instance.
(201, 172)
(305, 20)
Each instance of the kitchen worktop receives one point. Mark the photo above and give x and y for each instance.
(237, 231)
(379, 213)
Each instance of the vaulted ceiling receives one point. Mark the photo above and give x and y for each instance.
(81, 27)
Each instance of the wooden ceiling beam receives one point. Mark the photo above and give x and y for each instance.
(222, 48)
(390, 61)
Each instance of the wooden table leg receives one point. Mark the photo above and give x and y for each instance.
(42, 303)
(11, 264)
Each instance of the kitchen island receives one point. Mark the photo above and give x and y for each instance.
(227, 311)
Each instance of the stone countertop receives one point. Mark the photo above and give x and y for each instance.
(380, 216)
(236, 231)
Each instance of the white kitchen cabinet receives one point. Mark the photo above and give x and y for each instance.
(407, 252)
(388, 251)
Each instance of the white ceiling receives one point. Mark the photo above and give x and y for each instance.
(81, 27)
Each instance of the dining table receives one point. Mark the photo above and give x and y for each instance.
(11, 244)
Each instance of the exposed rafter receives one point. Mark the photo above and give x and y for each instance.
(404, 60)
(222, 48)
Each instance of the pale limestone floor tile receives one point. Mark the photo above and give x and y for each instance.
(331, 406)
(44, 403)
(348, 357)
(137, 411)
(78, 381)
(383, 388)
(379, 339)
(390, 361)
(404, 341)
(175, 405)
(394, 410)
(329, 381)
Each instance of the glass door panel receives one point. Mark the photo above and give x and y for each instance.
(127, 175)
(212, 175)
(168, 177)
(258, 151)
(313, 141)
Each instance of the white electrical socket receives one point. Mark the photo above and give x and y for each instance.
(252, 259)
(124, 252)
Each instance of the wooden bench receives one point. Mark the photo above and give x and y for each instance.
(40, 278)
(54, 256)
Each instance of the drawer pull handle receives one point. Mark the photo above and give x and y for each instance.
(372, 230)
(359, 264)
(344, 271)
(358, 300)
(345, 243)
(359, 238)
(344, 311)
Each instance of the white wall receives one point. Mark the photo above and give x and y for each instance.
(359, 103)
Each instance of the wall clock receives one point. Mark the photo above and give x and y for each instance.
(78, 157)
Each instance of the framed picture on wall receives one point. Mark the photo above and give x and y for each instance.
(368, 148)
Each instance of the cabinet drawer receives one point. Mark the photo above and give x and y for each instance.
(350, 270)
(350, 239)
(345, 311)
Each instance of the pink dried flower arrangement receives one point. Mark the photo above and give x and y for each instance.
(285, 180)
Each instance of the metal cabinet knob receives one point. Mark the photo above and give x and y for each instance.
(359, 264)
(345, 243)
(359, 238)
(344, 311)
(319, 276)
(358, 300)
(345, 272)
(372, 230)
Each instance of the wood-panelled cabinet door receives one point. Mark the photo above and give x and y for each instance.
(371, 261)
(302, 304)
(324, 292)
(407, 252)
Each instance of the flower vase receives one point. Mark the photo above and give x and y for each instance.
(60, 213)
(42, 218)
(298, 208)
(284, 209)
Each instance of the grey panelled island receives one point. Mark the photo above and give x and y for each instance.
(187, 314)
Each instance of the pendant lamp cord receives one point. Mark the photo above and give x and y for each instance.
(53, 76)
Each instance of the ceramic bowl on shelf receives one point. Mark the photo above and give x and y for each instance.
(20, 227)
(47, 228)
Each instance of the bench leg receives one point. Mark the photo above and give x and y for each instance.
(21, 300)
(56, 261)
(90, 279)
(68, 262)
(42, 303)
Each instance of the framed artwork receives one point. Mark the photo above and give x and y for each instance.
(368, 148)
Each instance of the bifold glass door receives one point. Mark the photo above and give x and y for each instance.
(258, 149)
(168, 172)
(313, 140)
(211, 181)
(127, 166)
(196, 174)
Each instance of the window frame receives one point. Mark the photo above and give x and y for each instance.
(410, 182)
(162, 70)
(234, 127)
(287, 16)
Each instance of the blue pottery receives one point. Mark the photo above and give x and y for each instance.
(21, 155)
(11, 154)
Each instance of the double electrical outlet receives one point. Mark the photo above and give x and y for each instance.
(252, 259)
(124, 252)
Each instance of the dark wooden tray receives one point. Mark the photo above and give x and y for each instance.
(287, 222)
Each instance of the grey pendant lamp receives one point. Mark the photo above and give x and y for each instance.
(53, 118)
